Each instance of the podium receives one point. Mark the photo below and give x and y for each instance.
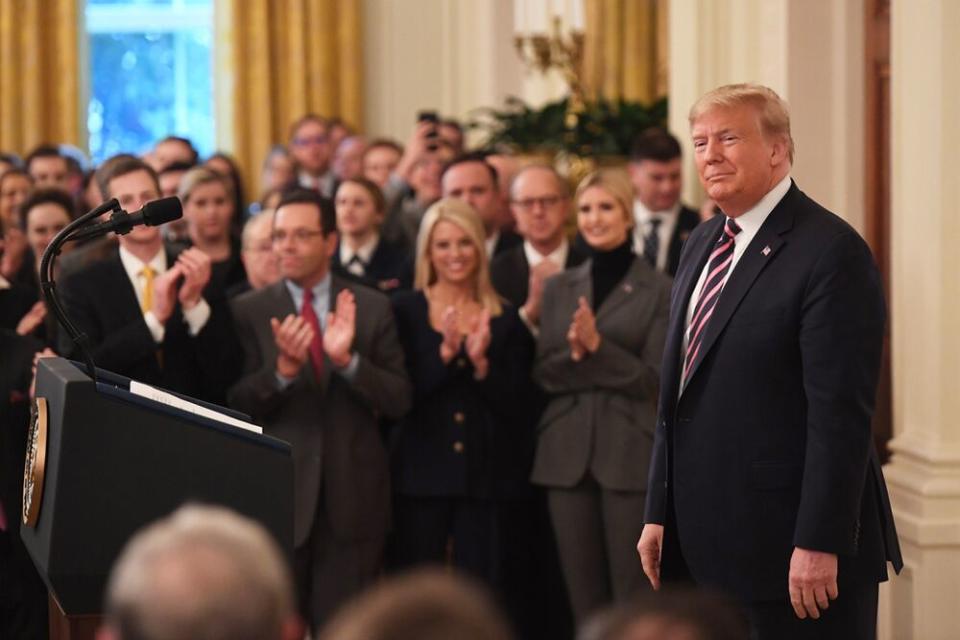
(103, 462)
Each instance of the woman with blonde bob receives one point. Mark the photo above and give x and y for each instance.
(602, 329)
(466, 353)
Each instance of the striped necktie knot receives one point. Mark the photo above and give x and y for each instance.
(718, 267)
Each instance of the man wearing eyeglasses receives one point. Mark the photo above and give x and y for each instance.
(322, 363)
(311, 150)
(540, 203)
(533, 584)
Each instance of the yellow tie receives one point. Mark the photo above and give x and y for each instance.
(147, 301)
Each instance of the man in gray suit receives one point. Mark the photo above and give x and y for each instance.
(322, 364)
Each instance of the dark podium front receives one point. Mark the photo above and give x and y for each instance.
(114, 461)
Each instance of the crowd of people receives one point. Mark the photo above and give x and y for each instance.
(466, 378)
(392, 312)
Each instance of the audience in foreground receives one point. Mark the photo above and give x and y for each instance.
(430, 604)
(202, 573)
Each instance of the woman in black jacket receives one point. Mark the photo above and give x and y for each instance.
(461, 447)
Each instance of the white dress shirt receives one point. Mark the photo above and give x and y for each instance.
(558, 255)
(323, 184)
(668, 222)
(491, 243)
(749, 222)
(321, 306)
(196, 318)
(364, 253)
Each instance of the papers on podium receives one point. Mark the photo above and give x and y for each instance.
(158, 395)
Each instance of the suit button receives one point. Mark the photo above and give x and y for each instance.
(458, 417)
(458, 447)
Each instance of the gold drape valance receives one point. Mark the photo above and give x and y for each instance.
(280, 59)
(39, 74)
(622, 52)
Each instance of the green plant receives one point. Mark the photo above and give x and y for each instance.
(604, 127)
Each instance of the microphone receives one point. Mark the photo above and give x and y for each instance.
(153, 214)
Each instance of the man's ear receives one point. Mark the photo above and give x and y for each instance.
(330, 243)
(778, 151)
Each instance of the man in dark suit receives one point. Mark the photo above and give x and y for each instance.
(663, 223)
(322, 365)
(141, 306)
(540, 203)
(474, 180)
(533, 583)
(764, 482)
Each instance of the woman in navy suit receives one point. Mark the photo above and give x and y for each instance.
(460, 448)
(602, 329)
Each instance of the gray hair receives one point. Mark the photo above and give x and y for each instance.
(202, 573)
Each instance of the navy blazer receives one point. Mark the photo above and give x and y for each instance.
(768, 447)
(463, 437)
(390, 268)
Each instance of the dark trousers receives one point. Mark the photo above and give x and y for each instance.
(597, 531)
(852, 616)
(438, 530)
(531, 588)
(329, 571)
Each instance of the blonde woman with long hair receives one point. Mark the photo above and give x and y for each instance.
(455, 454)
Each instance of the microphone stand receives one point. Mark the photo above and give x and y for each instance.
(49, 287)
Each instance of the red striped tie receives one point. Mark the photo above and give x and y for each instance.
(720, 261)
(316, 346)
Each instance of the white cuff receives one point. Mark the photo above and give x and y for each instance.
(197, 317)
(534, 329)
(157, 330)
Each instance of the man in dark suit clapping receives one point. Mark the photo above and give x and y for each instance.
(322, 365)
(142, 304)
(540, 203)
(764, 482)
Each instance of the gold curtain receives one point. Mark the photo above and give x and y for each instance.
(621, 52)
(278, 60)
(39, 74)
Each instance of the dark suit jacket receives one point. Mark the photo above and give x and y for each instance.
(16, 360)
(22, 592)
(510, 272)
(390, 268)
(15, 302)
(101, 301)
(463, 437)
(601, 413)
(768, 447)
(506, 241)
(332, 423)
(687, 219)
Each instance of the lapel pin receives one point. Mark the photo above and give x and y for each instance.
(766, 250)
(628, 287)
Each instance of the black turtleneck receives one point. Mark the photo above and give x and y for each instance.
(607, 268)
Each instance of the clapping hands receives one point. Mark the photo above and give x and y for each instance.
(582, 334)
(193, 267)
(341, 329)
